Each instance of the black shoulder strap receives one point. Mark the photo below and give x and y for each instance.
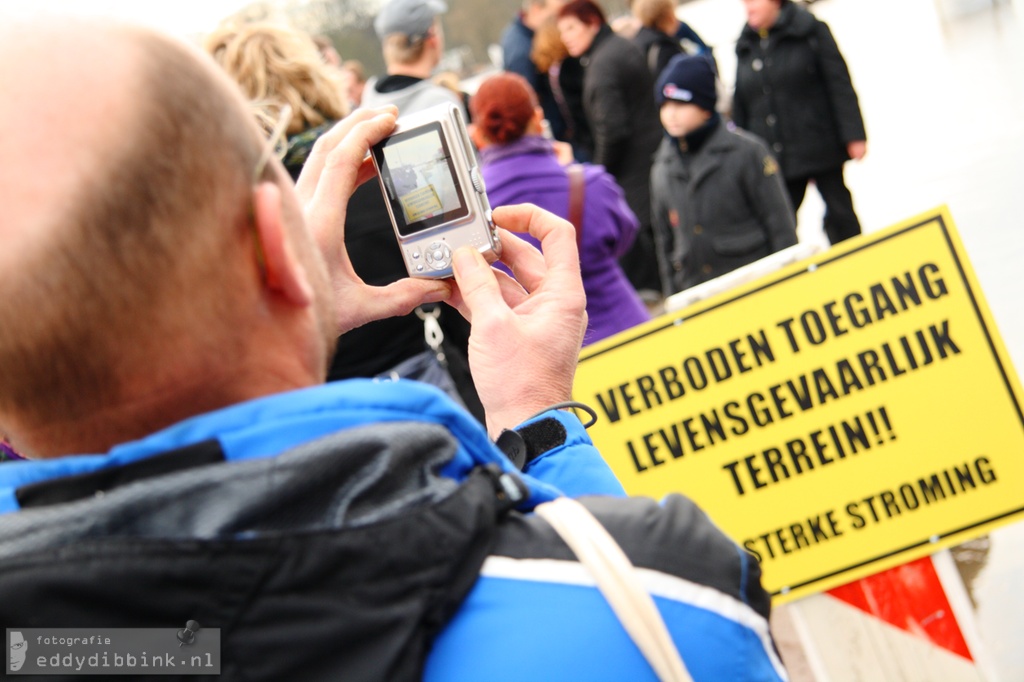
(653, 54)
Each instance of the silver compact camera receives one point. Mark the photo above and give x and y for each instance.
(435, 194)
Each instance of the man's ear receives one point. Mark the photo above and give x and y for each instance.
(432, 37)
(536, 125)
(284, 275)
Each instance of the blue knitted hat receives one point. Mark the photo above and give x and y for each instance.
(689, 79)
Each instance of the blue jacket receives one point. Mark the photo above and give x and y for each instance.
(271, 425)
(369, 512)
(516, 44)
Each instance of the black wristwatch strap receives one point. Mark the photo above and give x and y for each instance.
(527, 443)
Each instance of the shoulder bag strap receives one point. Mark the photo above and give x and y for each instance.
(558, 93)
(653, 54)
(619, 582)
(575, 172)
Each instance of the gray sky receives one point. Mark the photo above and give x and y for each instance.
(182, 17)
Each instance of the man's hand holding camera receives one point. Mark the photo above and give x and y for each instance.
(526, 334)
(336, 166)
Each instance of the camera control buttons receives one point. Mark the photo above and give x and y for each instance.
(438, 256)
(415, 259)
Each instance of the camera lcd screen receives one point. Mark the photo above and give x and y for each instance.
(419, 177)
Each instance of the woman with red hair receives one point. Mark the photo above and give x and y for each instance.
(519, 165)
(618, 103)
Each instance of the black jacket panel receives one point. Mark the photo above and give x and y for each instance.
(657, 47)
(618, 97)
(793, 89)
(339, 560)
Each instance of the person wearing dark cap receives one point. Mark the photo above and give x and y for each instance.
(413, 43)
(718, 201)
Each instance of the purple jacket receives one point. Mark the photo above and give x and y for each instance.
(526, 171)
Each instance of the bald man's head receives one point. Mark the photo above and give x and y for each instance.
(127, 196)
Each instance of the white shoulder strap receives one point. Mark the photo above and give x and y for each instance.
(618, 581)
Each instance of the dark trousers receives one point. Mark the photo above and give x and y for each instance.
(840, 219)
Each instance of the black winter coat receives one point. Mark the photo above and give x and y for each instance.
(793, 89)
(723, 208)
(567, 90)
(618, 99)
(657, 47)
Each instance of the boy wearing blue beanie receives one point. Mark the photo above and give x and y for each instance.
(718, 201)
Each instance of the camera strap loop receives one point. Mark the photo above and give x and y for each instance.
(432, 332)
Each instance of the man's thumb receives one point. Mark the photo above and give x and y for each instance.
(475, 277)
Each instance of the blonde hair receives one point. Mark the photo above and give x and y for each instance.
(275, 65)
(654, 13)
(548, 48)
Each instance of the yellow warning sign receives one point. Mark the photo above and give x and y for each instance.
(841, 416)
(420, 203)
